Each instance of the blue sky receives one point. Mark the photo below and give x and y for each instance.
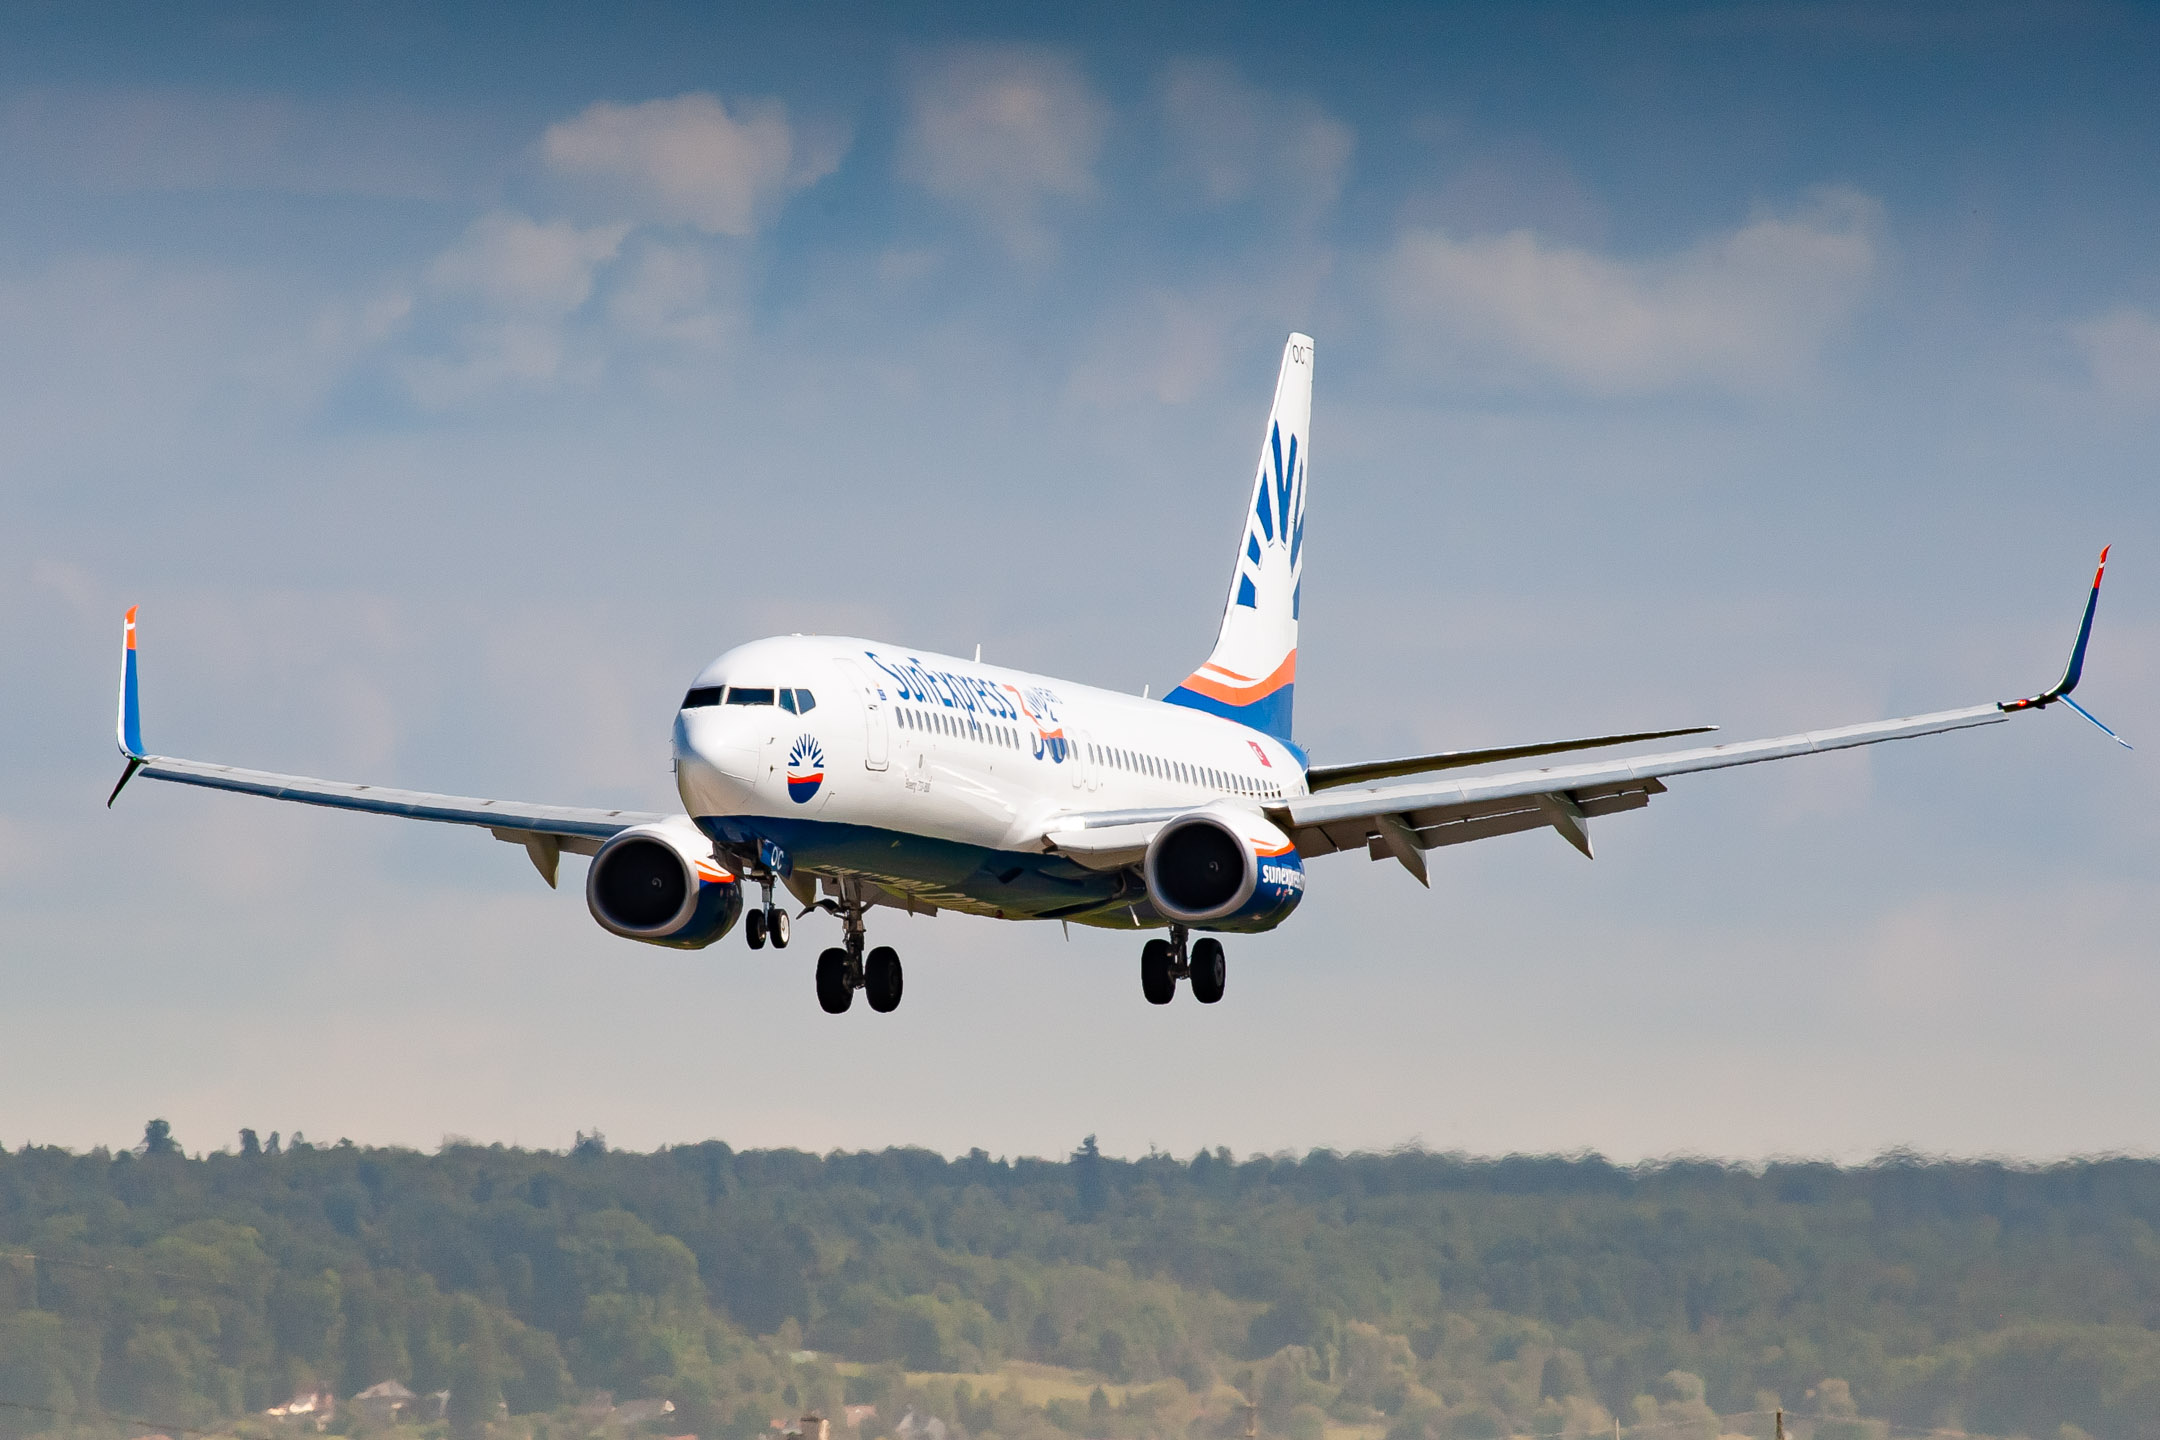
(448, 385)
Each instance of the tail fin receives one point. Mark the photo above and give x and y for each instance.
(1250, 675)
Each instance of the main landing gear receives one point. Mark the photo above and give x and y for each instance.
(1165, 962)
(843, 970)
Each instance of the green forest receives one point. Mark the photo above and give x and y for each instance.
(1401, 1296)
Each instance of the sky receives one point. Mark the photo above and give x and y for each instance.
(448, 384)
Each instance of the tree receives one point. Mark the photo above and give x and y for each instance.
(476, 1392)
(250, 1147)
(157, 1139)
(1090, 1184)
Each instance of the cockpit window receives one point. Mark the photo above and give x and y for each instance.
(805, 701)
(787, 701)
(738, 695)
(702, 696)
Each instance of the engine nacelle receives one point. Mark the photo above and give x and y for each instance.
(1225, 868)
(663, 885)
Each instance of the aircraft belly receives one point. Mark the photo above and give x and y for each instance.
(946, 873)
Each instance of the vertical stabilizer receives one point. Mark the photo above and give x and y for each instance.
(1250, 675)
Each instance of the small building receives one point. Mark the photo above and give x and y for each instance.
(643, 1412)
(916, 1426)
(385, 1402)
(317, 1406)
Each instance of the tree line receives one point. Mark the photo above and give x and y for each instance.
(1426, 1296)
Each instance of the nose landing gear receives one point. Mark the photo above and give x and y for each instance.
(768, 921)
(1165, 962)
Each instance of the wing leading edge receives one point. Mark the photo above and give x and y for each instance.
(544, 830)
(1403, 821)
(1330, 777)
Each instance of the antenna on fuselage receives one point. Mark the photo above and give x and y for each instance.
(978, 652)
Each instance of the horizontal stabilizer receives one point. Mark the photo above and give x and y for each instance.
(1325, 777)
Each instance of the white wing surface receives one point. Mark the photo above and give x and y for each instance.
(568, 822)
(1401, 820)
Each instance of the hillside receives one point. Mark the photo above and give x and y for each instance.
(1408, 1296)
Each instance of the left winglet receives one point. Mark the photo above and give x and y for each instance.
(130, 726)
(2075, 670)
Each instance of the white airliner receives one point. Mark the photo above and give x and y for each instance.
(856, 774)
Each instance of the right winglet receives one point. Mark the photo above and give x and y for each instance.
(130, 726)
(2075, 670)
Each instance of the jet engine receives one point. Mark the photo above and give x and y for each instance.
(663, 884)
(1225, 868)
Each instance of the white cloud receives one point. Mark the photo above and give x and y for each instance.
(2122, 350)
(688, 160)
(1005, 132)
(1228, 141)
(515, 264)
(667, 298)
(1746, 310)
(503, 295)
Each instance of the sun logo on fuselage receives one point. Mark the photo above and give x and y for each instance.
(805, 769)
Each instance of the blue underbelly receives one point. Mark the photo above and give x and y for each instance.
(1009, 883)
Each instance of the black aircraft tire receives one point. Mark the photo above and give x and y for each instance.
(834, 994)
(1156, 981)
(1209, 972)
(777, 928)
(753, 929)
(882, 979)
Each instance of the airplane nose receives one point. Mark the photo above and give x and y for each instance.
(716, 754)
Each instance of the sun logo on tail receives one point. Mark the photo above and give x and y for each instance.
(805, 769)
(1277, 518)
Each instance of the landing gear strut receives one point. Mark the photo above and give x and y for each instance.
(768, 921)
(844, 969)
(1165, 962)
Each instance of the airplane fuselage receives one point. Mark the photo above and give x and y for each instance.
(937, 777)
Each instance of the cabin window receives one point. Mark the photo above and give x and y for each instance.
(737, 695)
(702, 696)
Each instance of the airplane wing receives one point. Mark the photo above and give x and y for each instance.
(1404, 821)
(544, 830)
(1328, 777)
